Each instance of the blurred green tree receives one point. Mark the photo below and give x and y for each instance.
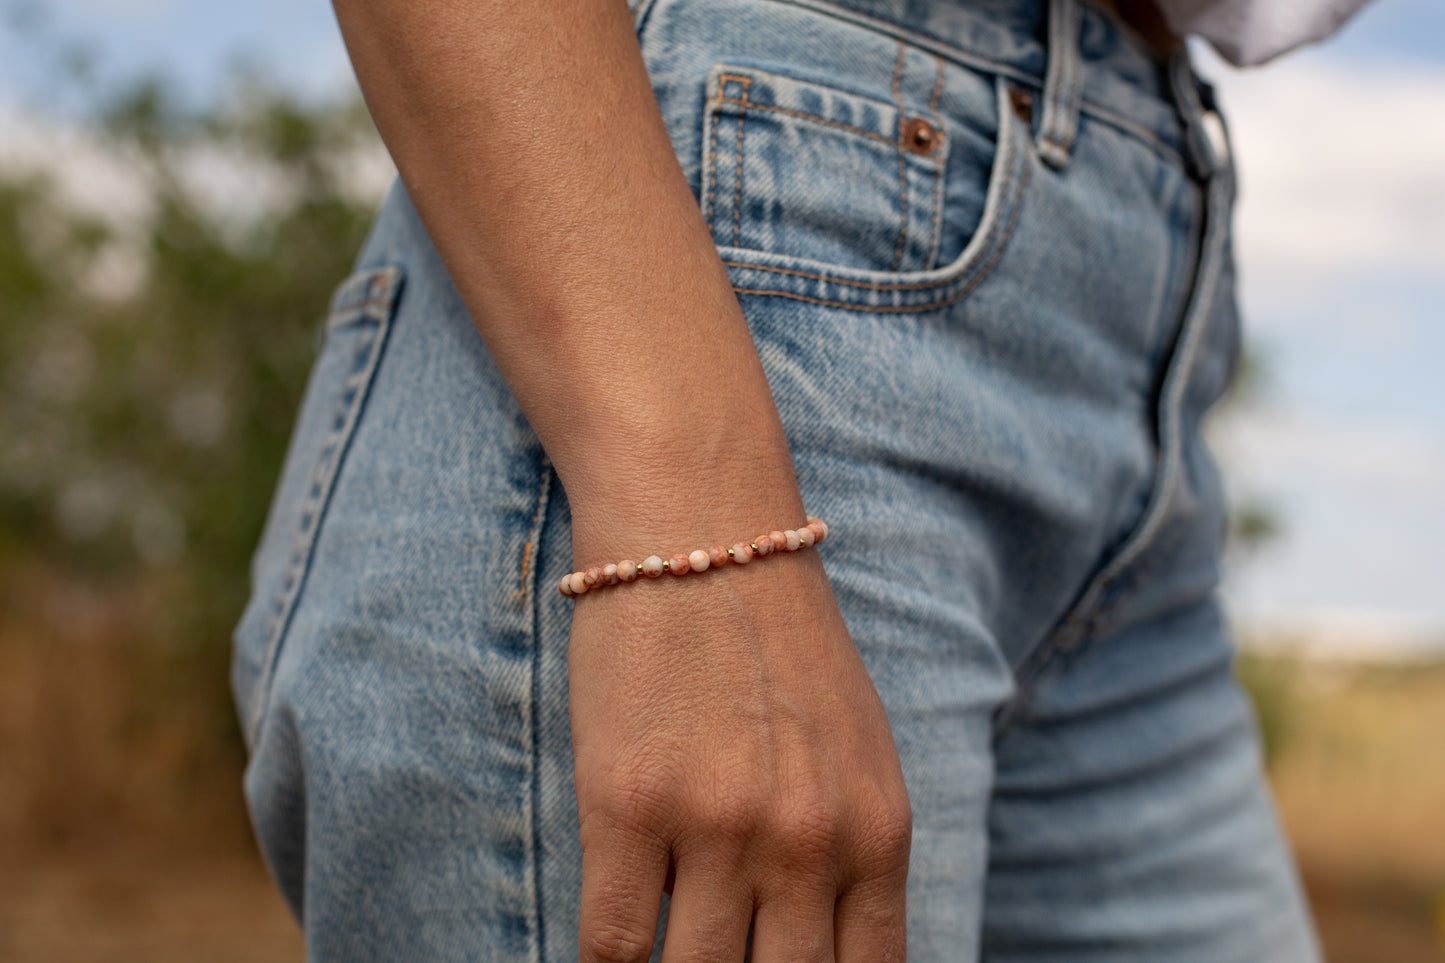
(1254, 522)
(155, 340)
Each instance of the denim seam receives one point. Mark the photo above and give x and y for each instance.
(535, 532)
(529, 581)
(935, 231)
(715, 116)
(754, 105)
(738, 170)
(902, 158)
(640, 16)
(1115, 576)
(1126, 126)
(712, 162)
(383, 287)
(350, 314)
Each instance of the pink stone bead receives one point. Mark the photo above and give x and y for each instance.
(742, 553)
(652, 566)
(764, 544)
(792, 541)
(820, 530)
(806, 536)
(779, 540)
(627, 570)
(699, 561)
(717, 556)
(565, 586)
(578, 583)
(593, 576)
(609, 574)
(678, 565)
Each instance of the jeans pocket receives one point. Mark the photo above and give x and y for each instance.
(803, 170)
(835, 163)
(830, 237)
(354, 336)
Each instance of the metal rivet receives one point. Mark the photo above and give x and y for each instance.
(1022, 103)
(919, 136)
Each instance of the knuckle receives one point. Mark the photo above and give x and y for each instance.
(729, 818)
(637, 799)
(812, 830)
(616, 943)
(885, 834)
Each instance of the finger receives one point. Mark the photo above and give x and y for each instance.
(871, 922)
(708, 917)
(795, 927)
(622, 877)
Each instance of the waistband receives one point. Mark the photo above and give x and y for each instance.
(1074, 57)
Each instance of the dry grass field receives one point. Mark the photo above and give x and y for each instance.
(122, 837)
(1359, 775)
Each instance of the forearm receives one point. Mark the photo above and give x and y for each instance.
(529, 140)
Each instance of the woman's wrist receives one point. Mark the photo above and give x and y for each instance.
(679, 484)
(667, 520)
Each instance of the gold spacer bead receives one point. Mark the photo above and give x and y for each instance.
(754, 547)
(639, 568)
(666, 567)
(730, 554)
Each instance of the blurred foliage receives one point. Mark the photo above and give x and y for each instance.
(1254, 521)
(154, 344)
(1271, 683)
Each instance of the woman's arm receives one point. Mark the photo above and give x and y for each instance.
(528, 138)
(725, 729)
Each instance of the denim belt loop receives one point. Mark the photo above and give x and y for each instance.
(1063, 84)
(1206, 138)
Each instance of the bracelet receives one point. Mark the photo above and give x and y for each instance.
(600, 576)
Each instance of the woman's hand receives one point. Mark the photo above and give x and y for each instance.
(725, 728)
(730, 744)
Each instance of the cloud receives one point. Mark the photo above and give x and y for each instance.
(101, 178)
(104, 180)
(90, 177)
(128, 8)
(1340, 169)
(1397, 460)
(1360, 506)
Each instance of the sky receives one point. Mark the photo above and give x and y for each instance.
(1340, 245)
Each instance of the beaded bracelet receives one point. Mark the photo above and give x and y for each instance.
(601, 576)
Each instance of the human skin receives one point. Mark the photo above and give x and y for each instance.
(729, 743)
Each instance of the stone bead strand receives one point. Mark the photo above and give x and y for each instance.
(699, 560)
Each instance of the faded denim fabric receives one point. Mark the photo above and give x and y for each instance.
(983, 248)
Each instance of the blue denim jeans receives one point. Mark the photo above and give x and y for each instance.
(983, 249)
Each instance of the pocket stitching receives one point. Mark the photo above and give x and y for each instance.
(369, 294)
(902, 160)
(936, 232)
(967, 289)
(738, 170)
(814, 118)
(719, 105)
(1011, 172)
